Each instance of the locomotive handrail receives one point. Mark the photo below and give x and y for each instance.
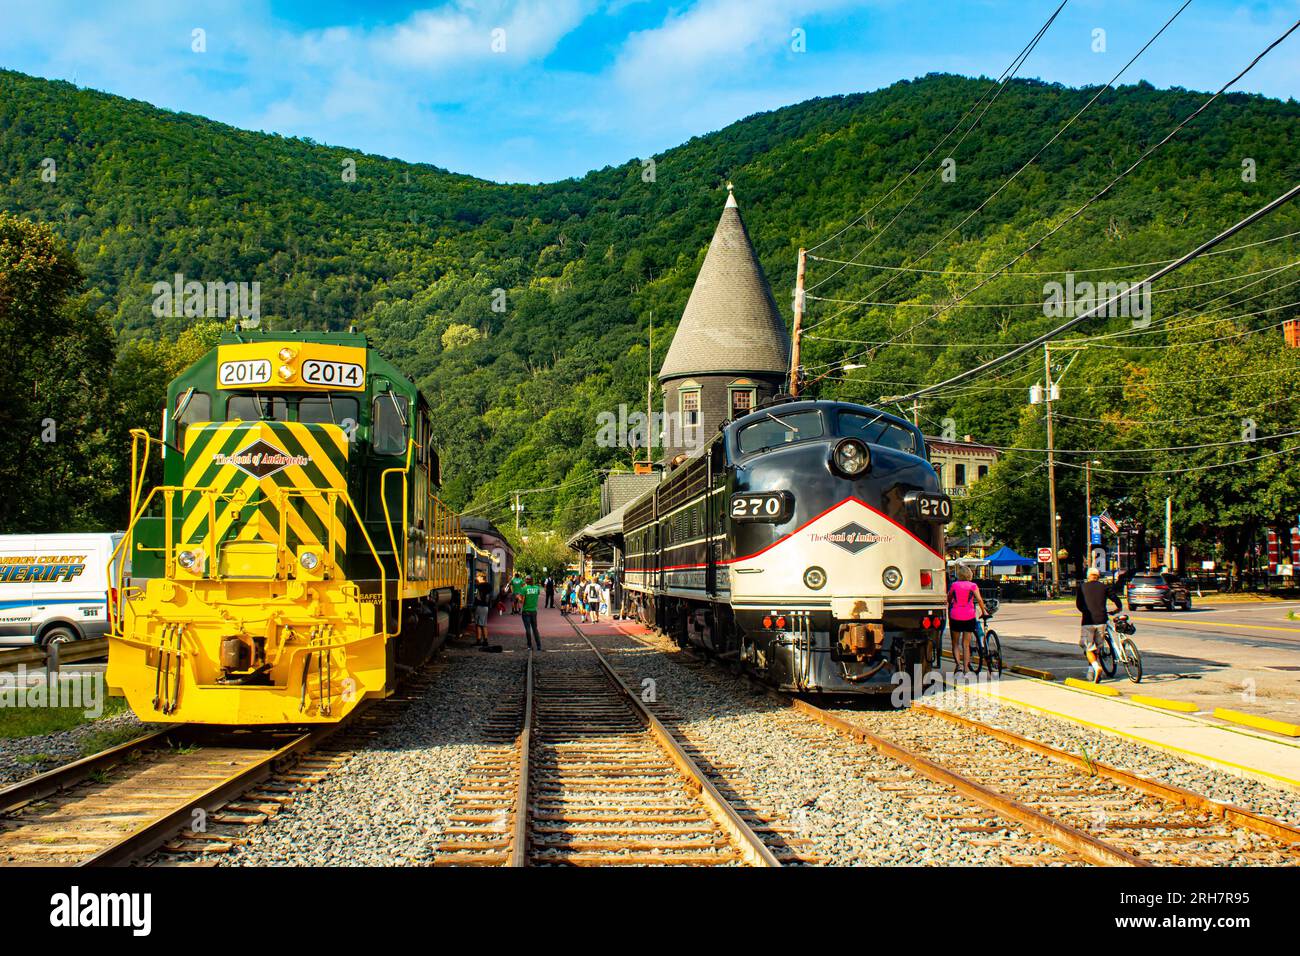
(212, 495)
(398, 556)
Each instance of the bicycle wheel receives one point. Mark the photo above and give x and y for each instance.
(1132, 661)
(993, 651)
(1106, 654)
(976, 654)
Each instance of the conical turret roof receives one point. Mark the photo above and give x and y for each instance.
(731, 323)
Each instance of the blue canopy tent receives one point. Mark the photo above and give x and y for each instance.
(1006, 561)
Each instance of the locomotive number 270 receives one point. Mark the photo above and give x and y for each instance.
(761, 506)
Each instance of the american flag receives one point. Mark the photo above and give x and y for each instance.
(1108, 521)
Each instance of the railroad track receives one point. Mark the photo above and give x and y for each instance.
(1005, 789)
(179, 795)
(592, 778)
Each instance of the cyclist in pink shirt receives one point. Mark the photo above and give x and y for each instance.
(963, 599)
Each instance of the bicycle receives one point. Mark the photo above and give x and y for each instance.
(1111, 653)
(986, 647)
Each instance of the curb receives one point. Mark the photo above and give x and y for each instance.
(1089, 686)
(1259, 723)
(1181, 706)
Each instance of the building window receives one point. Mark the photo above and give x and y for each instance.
(960, 472)
(983, 472)
(742, 402)
(690, 407)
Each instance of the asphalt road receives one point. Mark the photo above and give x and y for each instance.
(1241, 656)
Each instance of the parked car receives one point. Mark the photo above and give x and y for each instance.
(54, 587)
(1158, 589)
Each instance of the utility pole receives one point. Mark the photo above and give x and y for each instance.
(518, 508)
(649, 397)
(1087, 509)
(1169, 533)
(916, 413)
(1051, 467)
(795, 351)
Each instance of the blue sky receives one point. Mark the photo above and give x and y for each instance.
(582, 84)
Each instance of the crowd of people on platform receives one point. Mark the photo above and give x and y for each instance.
(587, 595)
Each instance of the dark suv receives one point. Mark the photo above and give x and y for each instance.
(1155, 589)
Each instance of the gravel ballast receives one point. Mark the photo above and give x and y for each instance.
(806, 772)
(388, 804)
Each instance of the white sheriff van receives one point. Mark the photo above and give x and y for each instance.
(54, 587)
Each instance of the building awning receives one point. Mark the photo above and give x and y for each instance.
(599, 531)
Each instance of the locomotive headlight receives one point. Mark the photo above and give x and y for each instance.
(851, 458)
(287, 354)
(814, 579)
(309, 560)
(187, 560)
(892, 578)
(286, 372)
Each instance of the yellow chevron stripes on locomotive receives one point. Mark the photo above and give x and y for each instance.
(260, 473)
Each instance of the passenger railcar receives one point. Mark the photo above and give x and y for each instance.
(295, 554)
(805, 540)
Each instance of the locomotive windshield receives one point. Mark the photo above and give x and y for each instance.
(877, 430)
(776, 430)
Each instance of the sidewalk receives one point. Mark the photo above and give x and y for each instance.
(1235, 750)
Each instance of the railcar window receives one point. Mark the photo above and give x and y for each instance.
(780, 430)
(327, 409)
(252, 408)
(877, 431)
(388, 424)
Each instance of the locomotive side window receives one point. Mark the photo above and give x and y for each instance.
(191, 407)
(388, 424)
(780, 430)
(327, 409)
(876, 430)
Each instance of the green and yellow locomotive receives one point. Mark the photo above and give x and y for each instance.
(295, 555)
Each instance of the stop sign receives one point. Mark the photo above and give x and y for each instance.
(1044, 555)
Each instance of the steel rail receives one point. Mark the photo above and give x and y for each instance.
(519, 851)
(17, 795)
(1068, 837)
(752, 849)
(1240, 816)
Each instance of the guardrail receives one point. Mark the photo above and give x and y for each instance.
(55, 655)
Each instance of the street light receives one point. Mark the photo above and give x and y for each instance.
(837, 367)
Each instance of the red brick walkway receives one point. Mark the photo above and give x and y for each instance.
(508, 629)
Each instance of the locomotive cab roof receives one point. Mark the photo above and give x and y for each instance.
(795, 406)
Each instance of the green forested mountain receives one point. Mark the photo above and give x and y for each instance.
(412, 255)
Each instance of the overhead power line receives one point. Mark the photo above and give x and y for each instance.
(1103, 307)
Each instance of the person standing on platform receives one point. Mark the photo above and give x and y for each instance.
(482, 607)
(516, 593)
(550, 591)
(530, 594)
(592, 594)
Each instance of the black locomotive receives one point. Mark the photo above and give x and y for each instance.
(805, 540)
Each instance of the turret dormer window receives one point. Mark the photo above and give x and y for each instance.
(741, 398)
(690, 406)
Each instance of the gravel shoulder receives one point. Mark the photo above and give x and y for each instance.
(1126, 755)
(23, 757)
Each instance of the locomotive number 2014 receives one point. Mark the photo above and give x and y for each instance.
(771, 506)
(340, 374)
(250, 372)
(928, 506)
